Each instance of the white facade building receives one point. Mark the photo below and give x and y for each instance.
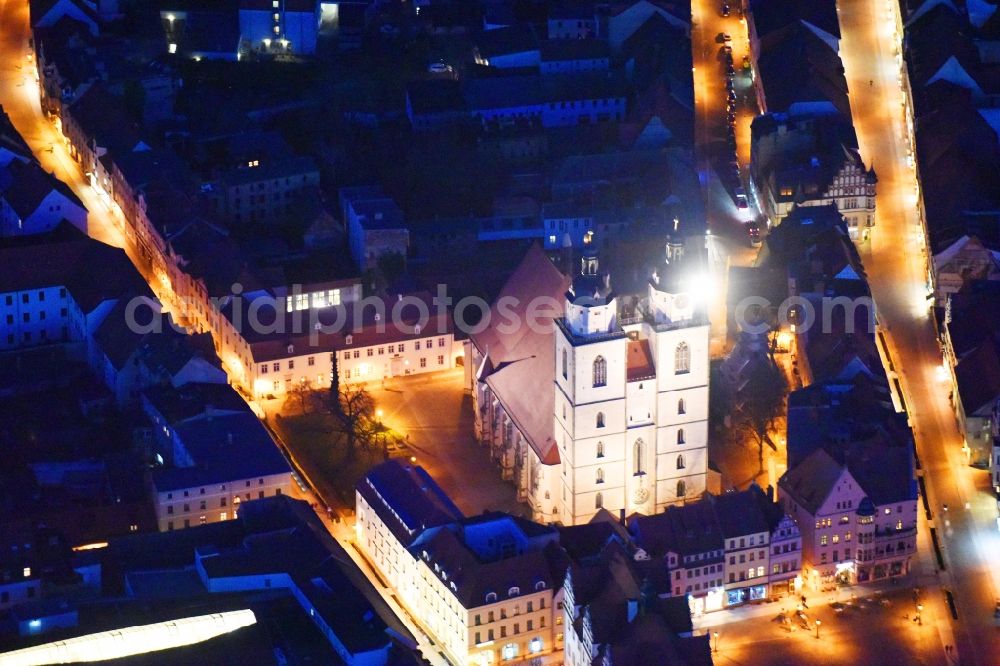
(631, 405)
(625, 423)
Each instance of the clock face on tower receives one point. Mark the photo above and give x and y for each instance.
(681, 301)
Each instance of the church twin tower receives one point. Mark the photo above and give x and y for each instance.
(631, 396)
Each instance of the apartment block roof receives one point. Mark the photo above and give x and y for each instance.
(407, 500)
(225, 448)
(66, 257)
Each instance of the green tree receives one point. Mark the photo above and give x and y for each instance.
(356, 419)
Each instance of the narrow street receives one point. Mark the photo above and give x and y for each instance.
(728, 244)
(19, 97)
(897, 271)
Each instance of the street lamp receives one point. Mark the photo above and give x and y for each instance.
(818, 623)
(920, 609)
(716, 634)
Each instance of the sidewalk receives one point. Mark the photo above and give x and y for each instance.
(813, 599)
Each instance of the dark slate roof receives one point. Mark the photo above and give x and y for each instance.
(66, 257)
(771, 15)
(224, 447)
(25, 185)
(686, 530)
(659, 632)
(177, 405)
(435, 96)
(407, 500)
(742, 513)
(507, 41)
(978, 376)
(276, 535)
(471, 579)
(103, 117)
(798, 65)
(826, 414)
(555, 50)
(518, 360)
(811, 482)
(10, 138)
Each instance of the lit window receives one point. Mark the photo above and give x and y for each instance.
(535, 645)
(172, 48)
(27, 572)
(277, 30)
(276, 17)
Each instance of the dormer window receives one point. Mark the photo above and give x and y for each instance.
(491, 597)
(291, 349)
(514, 591)
(539, 586)
(349, 340)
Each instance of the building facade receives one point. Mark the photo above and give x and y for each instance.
(631, 404)
(847, 536)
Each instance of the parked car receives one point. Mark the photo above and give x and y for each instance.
(753, 232)
(725, 10)
(730, 72)
(723, 38)
(741, 198)
(725, 49)
(731, 96)
(746, 62)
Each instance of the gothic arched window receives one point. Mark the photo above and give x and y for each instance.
(680, 435)
(680, 462)
(681, 488)
(600, 449)
(600, 475)
(600, 419)
(681, 407)
(682, 359)
(637, 456)
(600, 371)
(599, 501)
(565, 364)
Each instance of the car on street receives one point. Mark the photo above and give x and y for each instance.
(731, 96)
(726, 49)
(723, 38)
(753, 233)
(725, 10)
(741, 198)
(730, 71)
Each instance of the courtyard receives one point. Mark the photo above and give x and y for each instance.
(431, 415)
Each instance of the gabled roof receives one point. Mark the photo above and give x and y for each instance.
(555, 50)
(521, 359)
(771, 15)
(24, 185)
(978, 376)
(66, 257)
(10, 139)
(800, 65)
(811, 482)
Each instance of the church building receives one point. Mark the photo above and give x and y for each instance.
(606, 407)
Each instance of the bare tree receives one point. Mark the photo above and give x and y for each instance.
(356, 418)
(759, 403)
(302, 395)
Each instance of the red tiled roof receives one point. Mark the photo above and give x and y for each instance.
(522, 358)
(639, 364)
